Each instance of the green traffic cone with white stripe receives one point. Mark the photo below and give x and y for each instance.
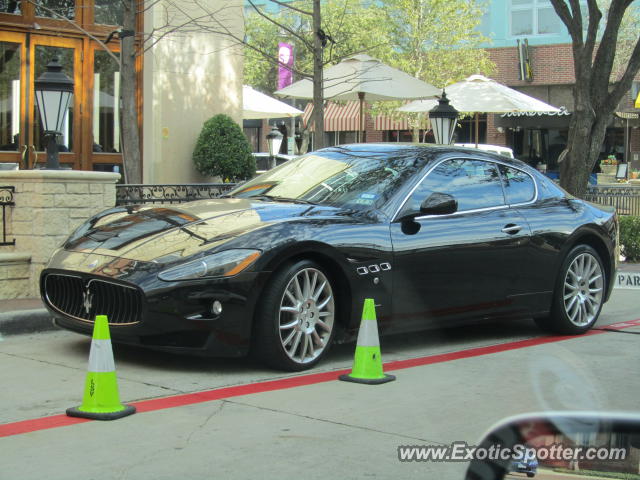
(100, 400)
(367, 362)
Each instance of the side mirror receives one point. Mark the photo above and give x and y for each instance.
(558, 445)
(439, 204)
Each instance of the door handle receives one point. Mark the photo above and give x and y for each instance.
(511, 229)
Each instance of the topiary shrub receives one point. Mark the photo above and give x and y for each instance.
(223, 151)
(630, 237)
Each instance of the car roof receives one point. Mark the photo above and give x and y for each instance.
(427, 148)
(505, 151)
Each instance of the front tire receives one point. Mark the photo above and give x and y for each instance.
(296, 320)
(578, 295)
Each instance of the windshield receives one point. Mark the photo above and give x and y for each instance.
(337, 177)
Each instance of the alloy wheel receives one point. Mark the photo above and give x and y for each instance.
(306, 315)
(583, 289)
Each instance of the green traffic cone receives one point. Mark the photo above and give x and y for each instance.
(100, 400)
(367, 362)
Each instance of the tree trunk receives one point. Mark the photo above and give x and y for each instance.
(583, 155)
(595, 95)
(130, 131)
(318, 94)
(304, 145)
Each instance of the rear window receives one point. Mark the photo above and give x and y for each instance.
(547, 189)
(519, 187)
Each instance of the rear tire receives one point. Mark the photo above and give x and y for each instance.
(578, 295)
(296, 320)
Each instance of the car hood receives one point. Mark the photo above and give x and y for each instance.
(164, 234)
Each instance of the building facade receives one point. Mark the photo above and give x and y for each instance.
(532, 51)
(185, 76)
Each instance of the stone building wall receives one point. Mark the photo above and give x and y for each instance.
(49, 205)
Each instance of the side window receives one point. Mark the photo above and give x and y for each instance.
(474, 184)
(518, 186)
(547, 189)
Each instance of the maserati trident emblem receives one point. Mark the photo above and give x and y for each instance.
(87, 298)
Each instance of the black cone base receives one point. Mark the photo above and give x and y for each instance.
(367, 381)
(76, 412)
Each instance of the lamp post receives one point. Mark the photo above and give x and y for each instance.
(54, 91)
(274, 139)
(443, 120)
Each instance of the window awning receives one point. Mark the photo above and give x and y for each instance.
(338, 117)
(382, 122)
(345, 117)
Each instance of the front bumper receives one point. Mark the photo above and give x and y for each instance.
(173, 316)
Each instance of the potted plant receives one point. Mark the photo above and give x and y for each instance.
(608, 165)
(634, 175)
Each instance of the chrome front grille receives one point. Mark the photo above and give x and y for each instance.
(84, 298)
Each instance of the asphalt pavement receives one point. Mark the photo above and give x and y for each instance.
(230, 418)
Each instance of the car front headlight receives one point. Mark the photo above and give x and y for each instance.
(222, 264)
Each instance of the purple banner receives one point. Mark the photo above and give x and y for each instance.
(285, 62)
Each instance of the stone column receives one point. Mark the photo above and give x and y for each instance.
(49, 205)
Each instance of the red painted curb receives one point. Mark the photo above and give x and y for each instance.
(26, 426)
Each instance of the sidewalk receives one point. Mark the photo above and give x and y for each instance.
(628, 267)
(24, 315)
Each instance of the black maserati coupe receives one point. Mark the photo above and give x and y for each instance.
(280, 267)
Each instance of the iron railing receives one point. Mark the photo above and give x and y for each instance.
(624, 198)
(168, 193)
(6, 200)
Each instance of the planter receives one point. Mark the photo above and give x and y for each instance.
(608, 169)
(634, 175)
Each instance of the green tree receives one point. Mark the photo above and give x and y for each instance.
(349, 23)
(321, 37)
(601, 80)
(223, 151)
(437, 41)
(434, 40)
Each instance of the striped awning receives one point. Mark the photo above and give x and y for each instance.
(345, 117)
(338, 117)
(383, 122)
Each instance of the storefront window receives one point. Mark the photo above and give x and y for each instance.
(10, 6)
(108, 12)
(43, 56)
(106, 111)
(56, 8)
(346, 137)
(253, 137)
(9, 96)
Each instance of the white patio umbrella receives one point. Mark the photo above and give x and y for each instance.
(480, 94)
(362, 77)
(257, 105)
